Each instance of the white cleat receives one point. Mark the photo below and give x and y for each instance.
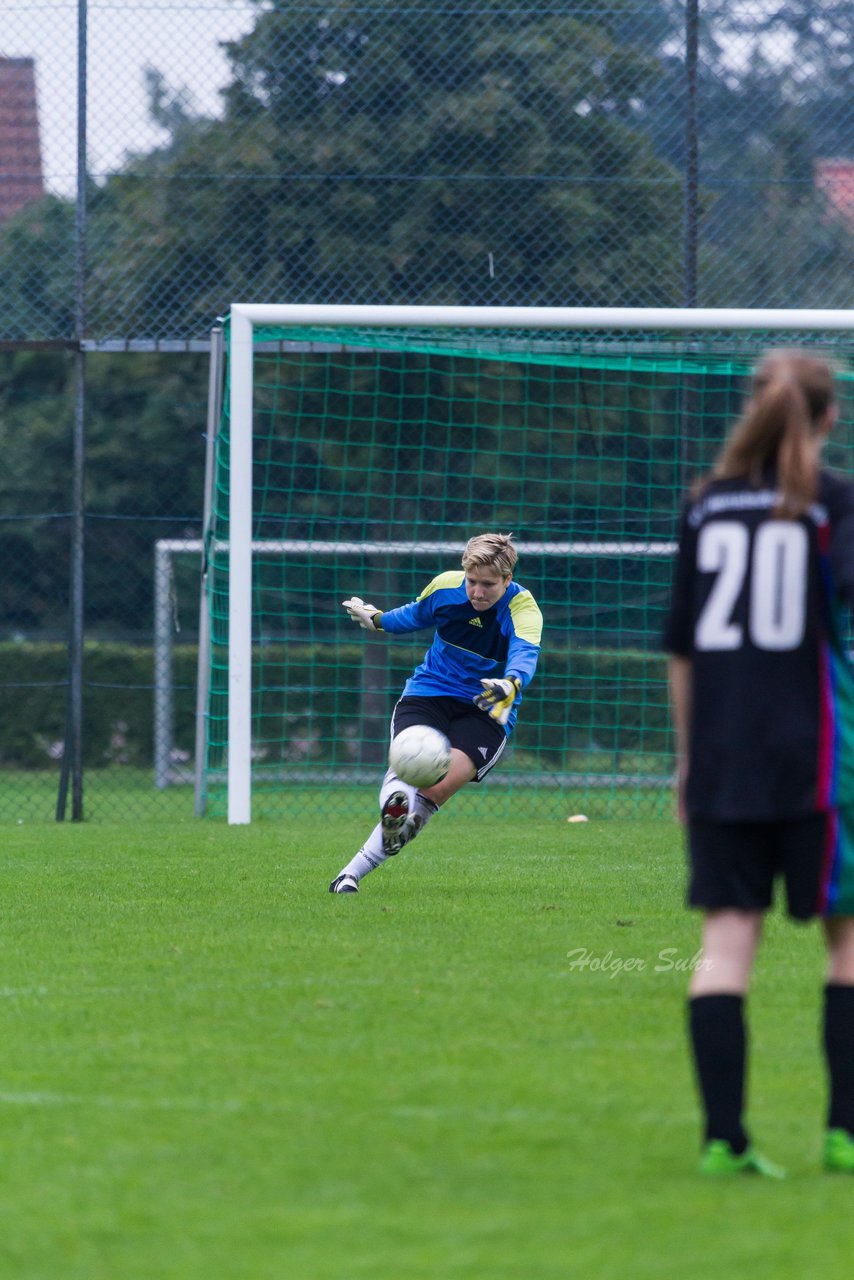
(344, 884)
(393, 818)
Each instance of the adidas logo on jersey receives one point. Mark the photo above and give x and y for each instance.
(475, 622)
(482, 751)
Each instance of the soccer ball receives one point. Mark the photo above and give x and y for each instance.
(420, 755)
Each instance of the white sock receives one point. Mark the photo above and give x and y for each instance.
(424, 809)
(369, 857)
(372, 855)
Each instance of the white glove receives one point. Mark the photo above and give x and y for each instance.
(498, 697)
(367, 615)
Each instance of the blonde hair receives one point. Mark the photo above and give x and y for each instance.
(493, 549)
(792, 392)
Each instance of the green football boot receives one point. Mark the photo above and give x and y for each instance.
(719, 1160)
(838, 1151)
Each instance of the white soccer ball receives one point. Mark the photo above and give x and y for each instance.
(420, 755)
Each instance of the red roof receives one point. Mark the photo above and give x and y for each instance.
(20, 150)
(836, 179)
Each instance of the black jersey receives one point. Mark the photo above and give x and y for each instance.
(754, 606)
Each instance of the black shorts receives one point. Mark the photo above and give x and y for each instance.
(735, 864)
(464, 725)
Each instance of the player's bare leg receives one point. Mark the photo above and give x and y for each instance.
(730, 939)
(462, 770)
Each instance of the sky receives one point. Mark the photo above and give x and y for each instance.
(180, 39)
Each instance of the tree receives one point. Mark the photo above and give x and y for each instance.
(773, 97)
(401, 155)
(144, 470)
(388, 154)
(37, 270)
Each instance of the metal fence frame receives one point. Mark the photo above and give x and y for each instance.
(80, 345)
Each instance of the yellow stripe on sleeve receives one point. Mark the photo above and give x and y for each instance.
(454, 578)
(527, 619)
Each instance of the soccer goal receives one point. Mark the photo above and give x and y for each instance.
(360, 447)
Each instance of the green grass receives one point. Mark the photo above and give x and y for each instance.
(213, 1069)
(125, 793)
(119, 793)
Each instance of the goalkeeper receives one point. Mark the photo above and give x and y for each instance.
(484, 652)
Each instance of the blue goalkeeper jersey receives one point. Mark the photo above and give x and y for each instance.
(470, 645)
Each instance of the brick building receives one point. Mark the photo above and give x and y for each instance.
(20, 149)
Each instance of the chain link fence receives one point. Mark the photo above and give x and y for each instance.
(634, 152)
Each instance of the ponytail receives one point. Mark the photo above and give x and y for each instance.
(792, 393)
(797, 457)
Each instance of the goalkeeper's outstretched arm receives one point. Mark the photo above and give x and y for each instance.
(368, 616)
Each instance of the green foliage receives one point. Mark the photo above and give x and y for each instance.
(315, 692)
(469, 154)
(37, 256)
(118, 716)
(550, 445)
(145, 450)
(365, 145)
(588, 709)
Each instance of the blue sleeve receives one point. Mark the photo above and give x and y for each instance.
(522, 658)
(523, 626)
(409, 617)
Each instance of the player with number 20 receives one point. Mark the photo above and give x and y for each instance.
(763, 702)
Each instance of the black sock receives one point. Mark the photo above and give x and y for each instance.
(719, 1041)
(839, 1052)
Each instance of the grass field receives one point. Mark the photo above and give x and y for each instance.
(213, 1069)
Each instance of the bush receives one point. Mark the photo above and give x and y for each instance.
(118, 703)
(321, 700)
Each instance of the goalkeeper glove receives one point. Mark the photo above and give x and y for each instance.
(498, 697)
(368, 616)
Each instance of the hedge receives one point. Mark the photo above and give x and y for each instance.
(583, 700)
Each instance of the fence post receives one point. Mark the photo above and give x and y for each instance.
(72, 755)
(215, 393)
(691, 192)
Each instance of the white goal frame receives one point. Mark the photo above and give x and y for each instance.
(244, 317)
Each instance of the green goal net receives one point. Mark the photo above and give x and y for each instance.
(376, 452)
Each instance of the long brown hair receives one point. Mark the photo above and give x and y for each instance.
(791, 394)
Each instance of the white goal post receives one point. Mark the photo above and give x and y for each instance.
(244, 317)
